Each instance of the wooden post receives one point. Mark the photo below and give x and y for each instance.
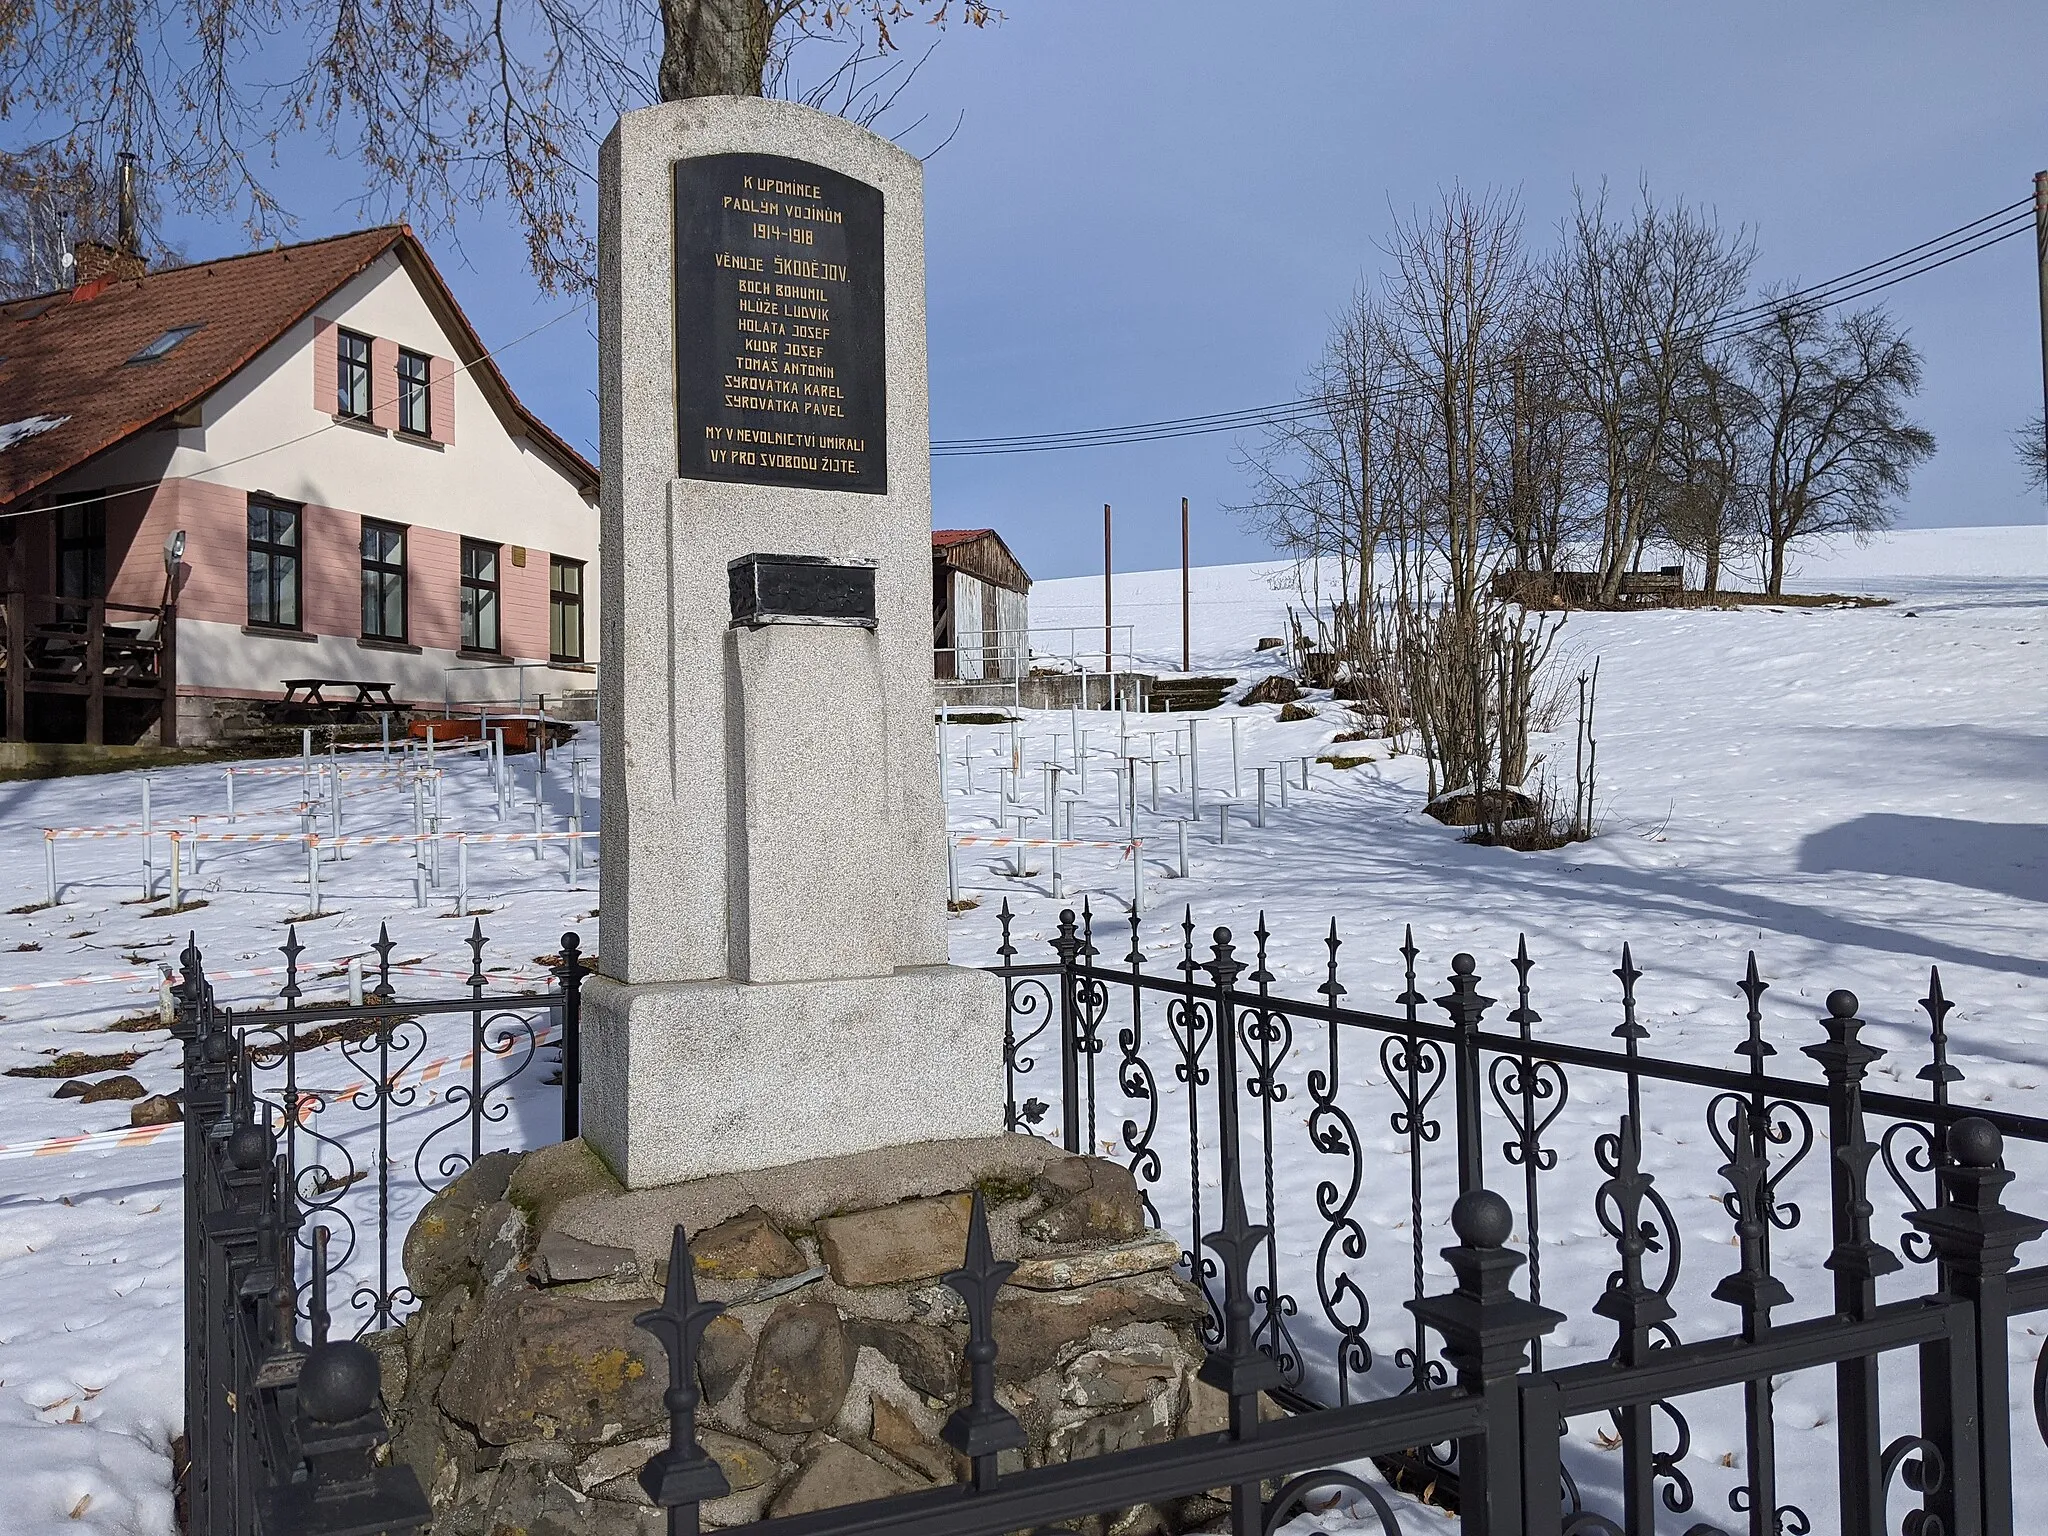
(17, 667)
(2041, 252)
(1186, 651)
(1108, 664)
(95, 673)
(167, 675)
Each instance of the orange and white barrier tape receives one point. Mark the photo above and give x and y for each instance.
(311, 1103)
(1127, 848)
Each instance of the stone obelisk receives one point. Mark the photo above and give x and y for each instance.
(773, 981)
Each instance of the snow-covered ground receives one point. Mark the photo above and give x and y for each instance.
(1853, 794)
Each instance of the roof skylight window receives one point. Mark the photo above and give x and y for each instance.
(163, 345)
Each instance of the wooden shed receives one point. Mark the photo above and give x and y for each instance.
(980, 607)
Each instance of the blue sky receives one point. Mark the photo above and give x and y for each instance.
(1151, 209)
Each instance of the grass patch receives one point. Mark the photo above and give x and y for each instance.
(299, 917)
(549, 962)
(29, 948)
(183, 906)
(1341, 760)
(135, 1024)
(1783, 600)
(80, 1064)
(974, 717)
(34, 906)
(1351, 736)
(964, 904)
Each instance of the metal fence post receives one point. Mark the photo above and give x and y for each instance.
(569, 971)
(1067, 945)
(1856, 1260)
(1467, 1008)
(1976, 1237)
(1487, 1331)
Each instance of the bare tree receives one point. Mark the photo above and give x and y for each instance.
(1631, 299)
(2030, 442)
(1707, 500)
(1454, 310)
(1836, 446)
(444, 104)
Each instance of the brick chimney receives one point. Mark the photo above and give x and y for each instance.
(96, 260)
(122, 261)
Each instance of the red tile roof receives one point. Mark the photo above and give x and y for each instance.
(66, 355)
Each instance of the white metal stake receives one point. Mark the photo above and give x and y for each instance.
(148, 846)
(419, 873)
(952, 873)
(539, 811)
(1059, 888)
(1236, 759)
(462, 876)
(967, 761)
(1082, 754)
(384, 729)
(166, 1006)
(313, 875)
(50, 861)
(1016, 748)
(1261, 772)
(1074, 734)
(306, 761)
(355, 981)
(1155, 786)
(1222, 822)
(1180, 829)
(231, 797)
(177, 897)
(1194, 774)
(1137, 880)
(945, 764)
(1304, 772)
(1283, 787)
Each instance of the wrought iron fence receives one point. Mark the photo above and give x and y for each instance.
(1300, 1214)
(1486, 1412)
(1138, 1049)
(283, 1428)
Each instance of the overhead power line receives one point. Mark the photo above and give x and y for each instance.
(1979, 234)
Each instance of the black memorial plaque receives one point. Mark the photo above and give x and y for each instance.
(780, 371)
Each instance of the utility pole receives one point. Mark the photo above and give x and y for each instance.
(1186, 663)
(2041, 252)
(1108, 648)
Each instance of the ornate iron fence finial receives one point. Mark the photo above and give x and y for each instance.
(685, 1474)
(982, 1429)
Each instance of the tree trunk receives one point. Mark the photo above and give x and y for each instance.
(1775, 586)
(713, 47)
(1713, 562)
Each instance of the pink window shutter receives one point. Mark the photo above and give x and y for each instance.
(441, 399)
(326, 363)
(384, 383)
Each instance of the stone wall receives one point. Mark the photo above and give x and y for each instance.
(526, 1400)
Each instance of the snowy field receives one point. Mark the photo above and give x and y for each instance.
(1852, 794)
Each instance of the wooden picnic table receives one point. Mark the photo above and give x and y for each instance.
(308, 691)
